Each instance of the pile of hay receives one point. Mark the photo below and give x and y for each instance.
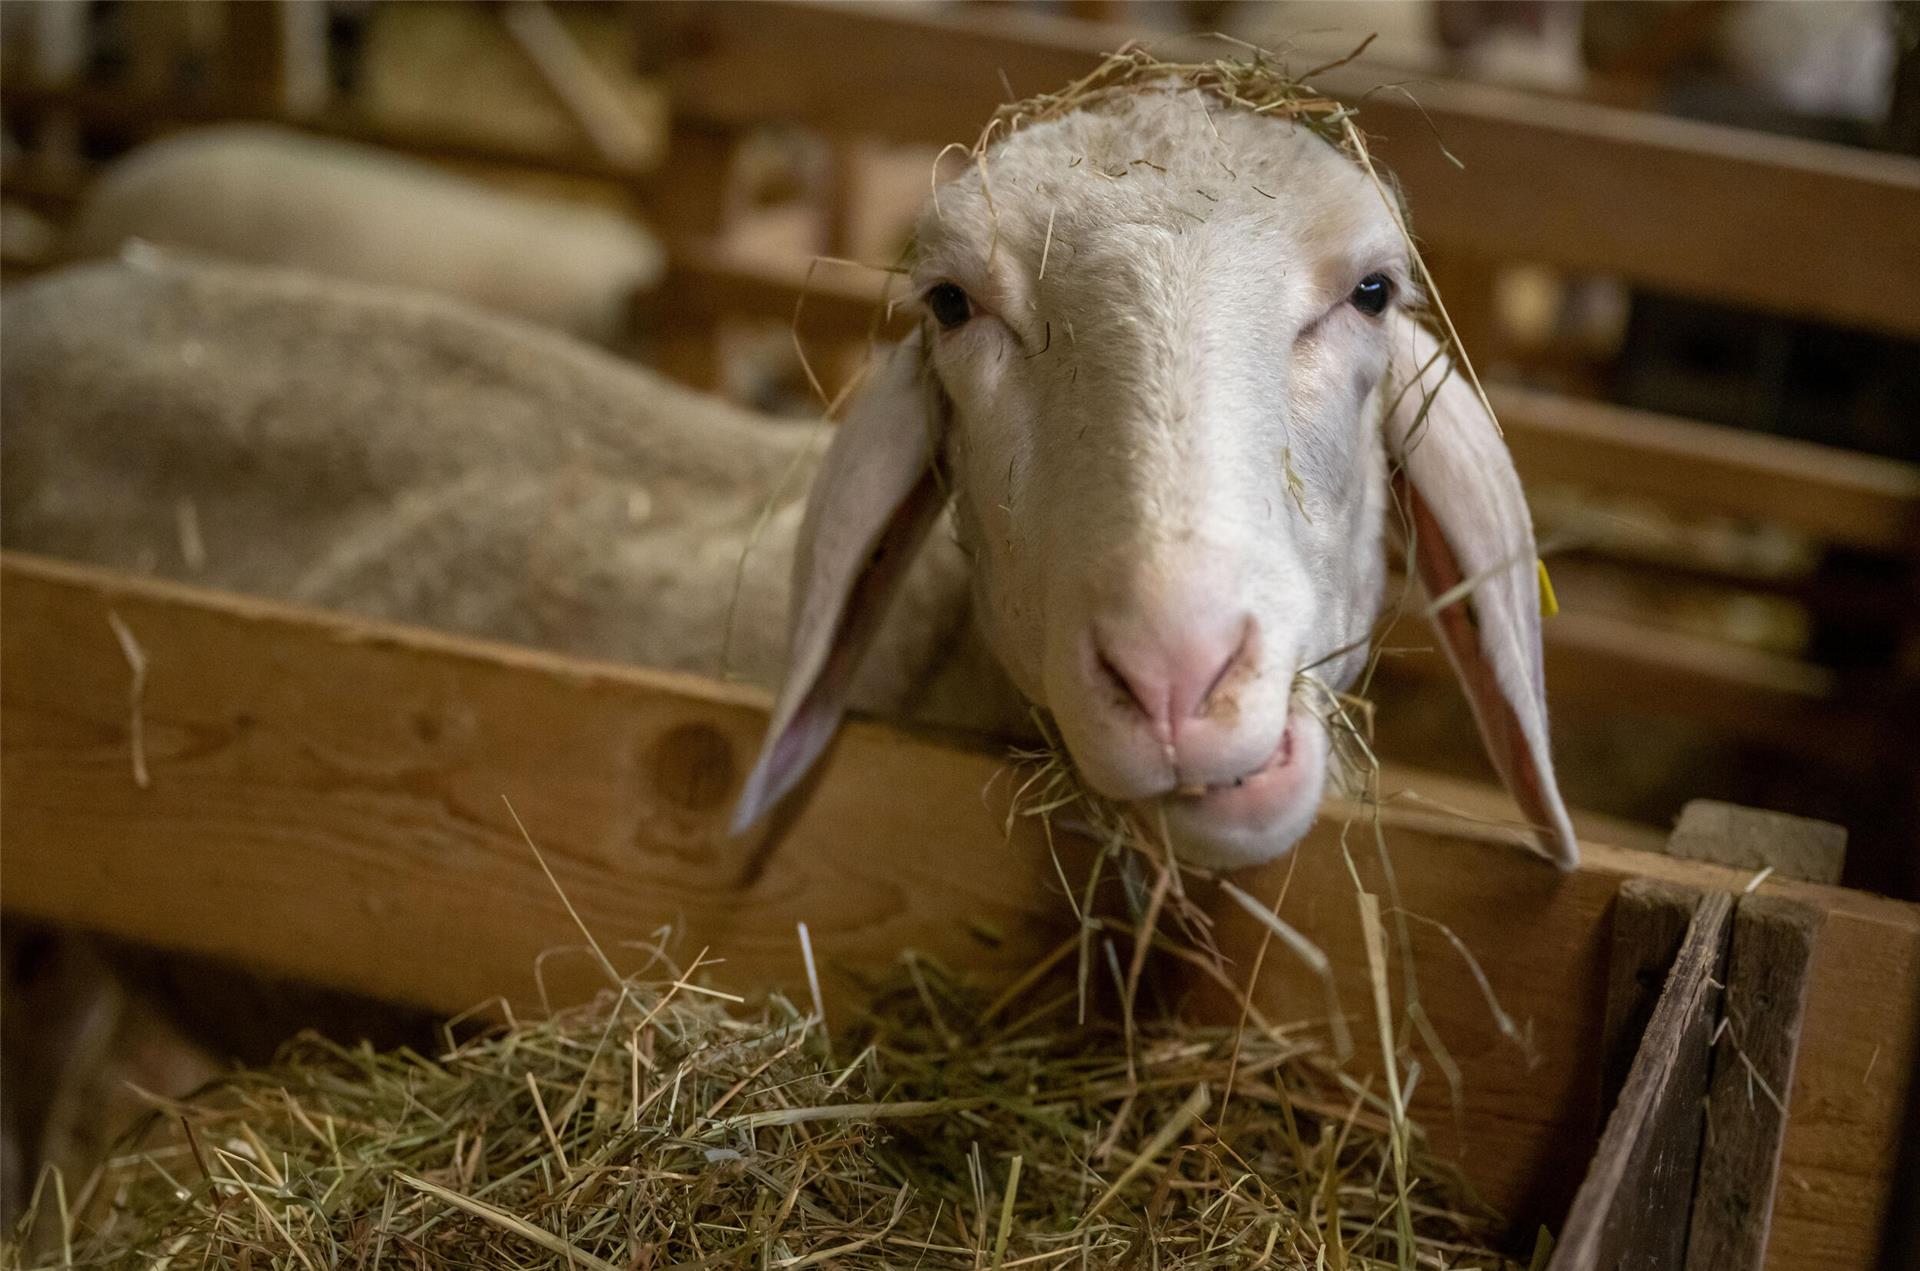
(666, 1127)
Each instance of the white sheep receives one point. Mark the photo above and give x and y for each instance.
(273, 196)
(1165, 386)
(403, 456)
(1165, 378)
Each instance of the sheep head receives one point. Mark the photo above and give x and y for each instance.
(1167, 376)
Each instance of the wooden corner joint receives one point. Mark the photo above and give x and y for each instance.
(1705, 998)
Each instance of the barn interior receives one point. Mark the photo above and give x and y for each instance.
(1675, 239)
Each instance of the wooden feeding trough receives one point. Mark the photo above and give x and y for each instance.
(1713, 1074)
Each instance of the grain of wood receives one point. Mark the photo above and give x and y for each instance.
(1768, 973)
(1650, 921)
(1675, 204)
(326, 791)
(1633, 1209)
(1755, 839)
(1527, 1117)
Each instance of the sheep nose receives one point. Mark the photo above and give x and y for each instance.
(1178, 675)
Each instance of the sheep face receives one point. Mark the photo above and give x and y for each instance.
(1160, 366)
(1164, 359)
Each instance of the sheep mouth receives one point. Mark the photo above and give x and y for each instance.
(1280, 760)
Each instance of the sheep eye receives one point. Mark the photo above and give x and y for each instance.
(949, 305)
(1371, 296)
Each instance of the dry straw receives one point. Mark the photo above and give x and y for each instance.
(662, 1128)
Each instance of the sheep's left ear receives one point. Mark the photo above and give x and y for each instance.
(877, 494)
(1472, 545)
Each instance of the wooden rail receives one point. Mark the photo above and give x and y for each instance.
(1776, 223)
(1837, 496)
(137, 116)
(324, 800)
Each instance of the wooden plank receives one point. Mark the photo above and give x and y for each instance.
(1650, 921)
(1754, 839)
(1634, 1207)
(710, 281)
(1836, 495)
(1768, 972)
(1669, 203)
(578, 85)
(1606, 664)
(137, 118)
(1529, 1100)
(325, 791)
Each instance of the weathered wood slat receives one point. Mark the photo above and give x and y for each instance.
(1750, 838)
(138, 117)
(1633, 1209)
(1838, 496)
(1526, 1120)
(1768, 972)
(324, 802)
(1670, 203)
(1835, 495)
(1650, 922)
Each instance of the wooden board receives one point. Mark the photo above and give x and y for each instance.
(1528, 1117)
(1749, 838)
(135, 118)
(1767, 981)
(1650, 922)
(324, 802)
(1695, 208)
(1634, 1208)
(1837, 496)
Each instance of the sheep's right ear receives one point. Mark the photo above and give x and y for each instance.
(877, 494)
(1473, 549)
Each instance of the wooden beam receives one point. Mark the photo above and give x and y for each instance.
(1835, 495)
(324, 802)
(136, 118)
(1634, 1208)
(1606, 664)
(578, 85)
(1688, 207)
(325, 792)
(827, 299)
(1750, 838)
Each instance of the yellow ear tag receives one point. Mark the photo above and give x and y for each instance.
(1548, 605)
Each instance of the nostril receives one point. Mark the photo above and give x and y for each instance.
(1117, 678)
(1179, 672)
(1240, 659)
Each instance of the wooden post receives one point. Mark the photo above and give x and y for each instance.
(688, 201)
(1647, 1206)
(1750, 838)
(1766, 996)
(276, 58)
(1632, 1210)
(1650, 923)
